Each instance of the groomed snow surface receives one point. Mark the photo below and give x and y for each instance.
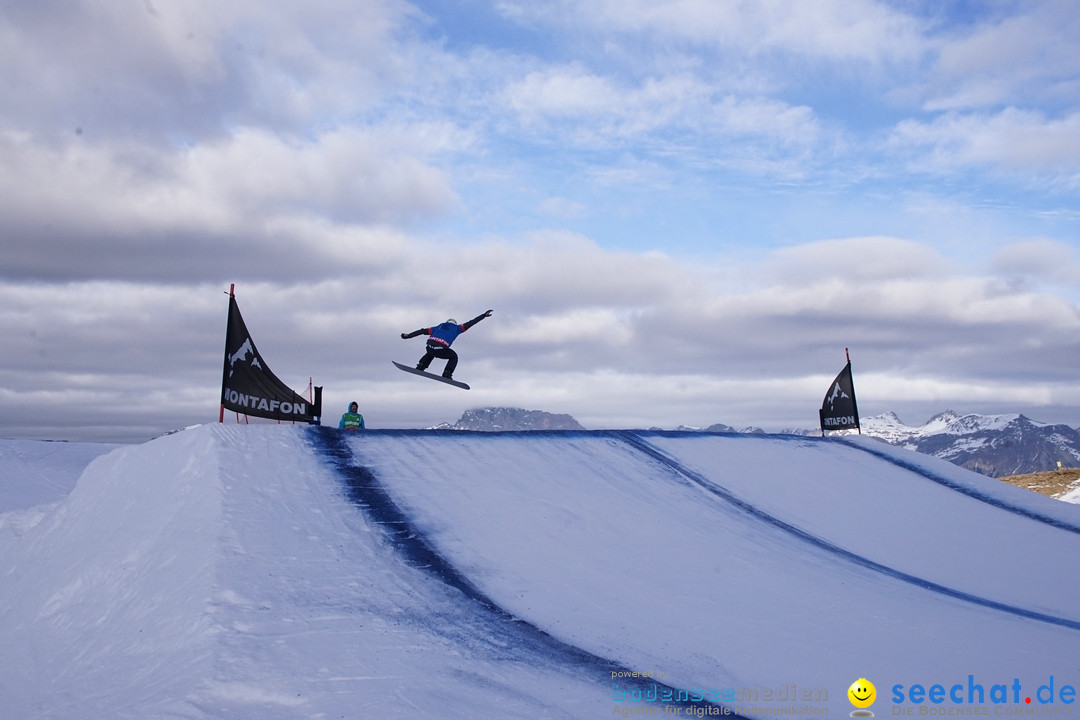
(263, 572)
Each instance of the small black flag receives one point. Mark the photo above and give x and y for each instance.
(839, 411)
(248, 386)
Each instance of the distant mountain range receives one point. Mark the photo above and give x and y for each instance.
(496, 419)
(994, 445)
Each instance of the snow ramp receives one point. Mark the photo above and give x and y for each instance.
(280, 572)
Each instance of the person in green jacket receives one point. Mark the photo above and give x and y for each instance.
(352, 420)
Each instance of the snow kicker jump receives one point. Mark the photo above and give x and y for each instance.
(277, 571)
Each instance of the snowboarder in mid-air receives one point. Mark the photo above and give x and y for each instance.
(438, 345)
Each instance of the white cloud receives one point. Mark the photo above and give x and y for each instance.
(857, 260)
(901, 284)
(1039, 260)
(830, 29)
(614, 337)
(168, 71)
(671, 116)
(548, 272)
(1030, 55)
(570, 92)
(563, 207)
(1013, 141)
(597, 326)
(253, 197)
(348, 175)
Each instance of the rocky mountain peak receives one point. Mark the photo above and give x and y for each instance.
(497, 419)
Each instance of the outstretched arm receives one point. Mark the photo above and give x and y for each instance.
(477, 319)
(414, 333)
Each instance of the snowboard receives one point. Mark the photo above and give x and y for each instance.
(433, 376)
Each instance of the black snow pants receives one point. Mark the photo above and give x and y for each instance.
(434, 350)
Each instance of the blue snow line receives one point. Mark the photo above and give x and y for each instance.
(366, 491)
(636, 441)
(372, 497)
(965, 489)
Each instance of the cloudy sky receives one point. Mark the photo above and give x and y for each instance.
(680, 211)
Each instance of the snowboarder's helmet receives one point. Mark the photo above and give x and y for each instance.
(452, 321)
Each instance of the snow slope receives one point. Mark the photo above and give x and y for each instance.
(282, 572)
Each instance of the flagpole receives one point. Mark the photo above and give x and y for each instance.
(854, 402)
(221, 412)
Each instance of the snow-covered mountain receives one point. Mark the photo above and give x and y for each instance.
(994, 445)
(495, 419)
(722, 428)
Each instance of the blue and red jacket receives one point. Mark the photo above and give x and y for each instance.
(443, 335)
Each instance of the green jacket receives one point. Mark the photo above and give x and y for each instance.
(351, 421)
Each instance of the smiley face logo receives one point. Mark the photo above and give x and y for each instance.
(862, 693)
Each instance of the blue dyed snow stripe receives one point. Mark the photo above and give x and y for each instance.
(965, 489)
(371, 496)
(636, 441)
(367, 492)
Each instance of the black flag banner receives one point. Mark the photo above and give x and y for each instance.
(839, 411)
(248, 386)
